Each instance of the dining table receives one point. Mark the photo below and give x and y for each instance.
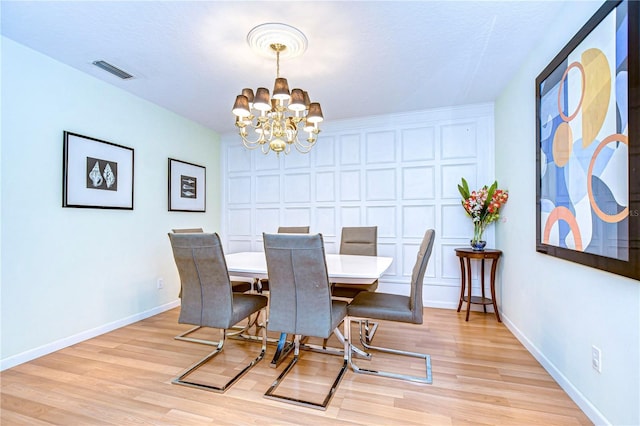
(342, 268)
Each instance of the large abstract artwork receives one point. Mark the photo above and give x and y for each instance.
(587, 194)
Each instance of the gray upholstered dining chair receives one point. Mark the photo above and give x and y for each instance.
(239, 286)
(264, 283)
(363, 241)
(208, 300)
(293, 230)
(186, 230)
(300, 301)
(359, 240)
(394, 307)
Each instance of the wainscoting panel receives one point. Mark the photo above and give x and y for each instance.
(381, 185)
(451, 262)
(237, 159)
(455, 222)
(418, 144)
(415, 219)
(235, 246)
(241, 193)
(409, 256)
(325, 153)
(459, 140)
(390, 250)
(398, 172)
(349, 149)
(350, 186)
(297, 188)
(384, 217)
(267, 220)
(381, 147)
(325, 187)
(297, 161)
(418, 183)
(265, 162)
(351, 216)
(325, 221)
(267, 189)
(296, 216)
(239, 222)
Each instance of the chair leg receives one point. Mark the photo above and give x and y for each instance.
(370, 328)
(282, 350)
(184, 337)
(427, 358)
(344, 339)
(270, 393)
(239, 333)
(180, 380)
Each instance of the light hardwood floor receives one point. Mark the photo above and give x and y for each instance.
(481, 375)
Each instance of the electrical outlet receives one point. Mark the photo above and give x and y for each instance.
(160, 283)
(596, 359)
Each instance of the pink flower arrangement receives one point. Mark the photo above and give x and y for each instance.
(483, 206)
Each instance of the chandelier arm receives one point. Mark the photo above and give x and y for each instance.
(249, 145)
(252, 144)
(255, 125)
(303, 147)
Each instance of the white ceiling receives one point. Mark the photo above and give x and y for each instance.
(364, 57)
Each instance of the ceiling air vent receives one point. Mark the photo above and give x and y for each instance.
(112, 69)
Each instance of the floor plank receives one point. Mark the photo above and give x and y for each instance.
(481, 375)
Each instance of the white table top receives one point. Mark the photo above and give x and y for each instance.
(342, 268)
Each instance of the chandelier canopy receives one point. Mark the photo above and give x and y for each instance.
(276, 120)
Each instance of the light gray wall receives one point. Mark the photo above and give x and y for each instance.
(559, 309)
(70, 273)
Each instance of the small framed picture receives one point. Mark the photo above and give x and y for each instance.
(96, 173)
(187, 187)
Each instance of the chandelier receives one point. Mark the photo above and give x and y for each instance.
(278, 121)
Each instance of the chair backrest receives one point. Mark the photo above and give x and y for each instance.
(187, 230)
(207, 298)
(417, 275)
(299, 292)
(361, 240)
(293, 230)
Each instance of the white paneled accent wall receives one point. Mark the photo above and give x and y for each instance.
(398, 172)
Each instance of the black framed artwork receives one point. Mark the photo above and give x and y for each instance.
(588, 151)
(187, 186)
(96, 173)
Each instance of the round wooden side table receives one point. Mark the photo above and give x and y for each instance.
(466, 255)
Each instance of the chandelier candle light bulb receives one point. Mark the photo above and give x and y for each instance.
(277, 119)
(483, 206)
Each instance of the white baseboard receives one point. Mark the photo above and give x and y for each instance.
(587, 407)
(32, 354)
